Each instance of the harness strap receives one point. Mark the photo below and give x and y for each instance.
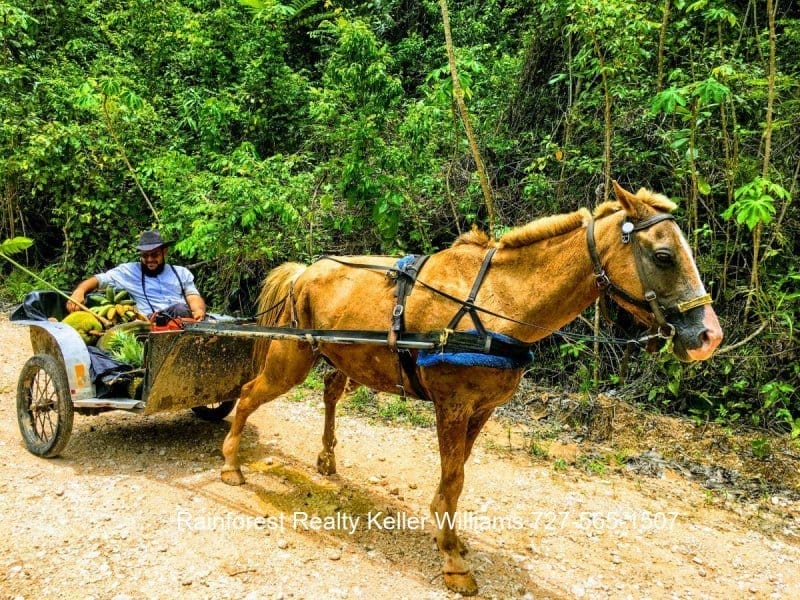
(468, 306)
(650, 295)
(663, 328)
(406, 276)
(144, 291)
(356, 265)
(292, 306)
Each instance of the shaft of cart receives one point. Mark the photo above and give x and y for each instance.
(311, 336)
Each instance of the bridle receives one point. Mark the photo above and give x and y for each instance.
(664, 328)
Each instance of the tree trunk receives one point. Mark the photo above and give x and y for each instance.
(458, 93)
(662, 40)
(755, 284)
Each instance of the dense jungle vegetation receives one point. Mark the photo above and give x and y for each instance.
(257, 131)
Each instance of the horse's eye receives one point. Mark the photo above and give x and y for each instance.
(663, 258)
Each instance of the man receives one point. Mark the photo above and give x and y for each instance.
(154, 284)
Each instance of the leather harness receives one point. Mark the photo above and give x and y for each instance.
(405, 274)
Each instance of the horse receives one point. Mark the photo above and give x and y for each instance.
(533, 280)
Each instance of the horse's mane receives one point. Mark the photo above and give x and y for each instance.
(554, 225)
(474, 237)
(544, 228)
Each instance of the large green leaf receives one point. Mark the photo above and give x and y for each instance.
(14, 245)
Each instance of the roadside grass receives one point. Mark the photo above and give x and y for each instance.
(390, 409)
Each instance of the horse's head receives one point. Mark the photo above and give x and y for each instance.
(651, 272)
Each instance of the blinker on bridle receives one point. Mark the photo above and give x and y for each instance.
(650, 303)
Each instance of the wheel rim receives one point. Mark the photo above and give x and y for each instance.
(43, 406)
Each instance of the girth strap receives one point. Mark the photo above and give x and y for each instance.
(468, 306)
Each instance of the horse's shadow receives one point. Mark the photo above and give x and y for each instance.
(284, 491)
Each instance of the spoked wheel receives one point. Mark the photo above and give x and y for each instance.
(44, 406)
(216, 411)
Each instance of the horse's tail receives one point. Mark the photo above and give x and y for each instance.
(275, 303)
(274, 298)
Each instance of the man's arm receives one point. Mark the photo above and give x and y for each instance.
(197, 306)
(79, 295)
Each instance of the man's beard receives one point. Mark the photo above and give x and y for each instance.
(153, 272)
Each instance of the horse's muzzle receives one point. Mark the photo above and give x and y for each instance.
(707, 340)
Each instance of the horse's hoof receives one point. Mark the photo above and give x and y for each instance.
(326, 464)
(232, 477)
(461, 583)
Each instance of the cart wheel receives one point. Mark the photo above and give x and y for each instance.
(216, 411)
(44, 406)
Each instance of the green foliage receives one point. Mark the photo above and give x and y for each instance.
(390, 408)
(257, 131)
(354, 113)
(16, 285)
(126, 348)
(18, 282)
(760, 448)
(754, 202)
(15, 245)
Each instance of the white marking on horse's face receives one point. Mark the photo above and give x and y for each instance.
(702, 334)
(687, 250)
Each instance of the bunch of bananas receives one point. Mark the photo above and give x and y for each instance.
(114, 305)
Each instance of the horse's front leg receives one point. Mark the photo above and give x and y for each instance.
(451, 426)
(335, 385)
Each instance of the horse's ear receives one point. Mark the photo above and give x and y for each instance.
(630, 203)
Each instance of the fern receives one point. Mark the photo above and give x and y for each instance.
(297, 12)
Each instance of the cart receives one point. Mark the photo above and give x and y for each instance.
(201, 367)
(181, 371)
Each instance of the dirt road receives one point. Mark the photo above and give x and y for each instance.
(135, 509)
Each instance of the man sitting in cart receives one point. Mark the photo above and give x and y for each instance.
(154, 284)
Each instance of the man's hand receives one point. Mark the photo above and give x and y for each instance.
(75, 299)
(79, 295)
(197, 305)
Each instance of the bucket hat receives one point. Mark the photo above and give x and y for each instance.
(150, 240)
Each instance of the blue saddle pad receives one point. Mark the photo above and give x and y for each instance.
(426, 358)
(403, 263)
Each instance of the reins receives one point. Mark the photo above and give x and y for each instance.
(469, 306)
(664, 330)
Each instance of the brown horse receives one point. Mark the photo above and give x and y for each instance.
(541, 275)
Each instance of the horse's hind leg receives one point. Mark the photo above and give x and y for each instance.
(287, 364)
(335, 386)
